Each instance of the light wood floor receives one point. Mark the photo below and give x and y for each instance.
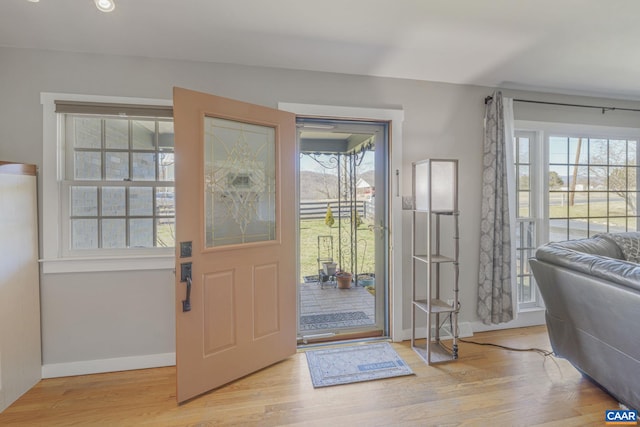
(485, 387)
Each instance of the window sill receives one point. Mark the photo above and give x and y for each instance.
(531, 309)
(113, 263)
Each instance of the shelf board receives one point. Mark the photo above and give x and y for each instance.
(437, 306)
(421, 304)
(435, 259)
(438, 354)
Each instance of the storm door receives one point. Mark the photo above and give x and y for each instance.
(343, 229)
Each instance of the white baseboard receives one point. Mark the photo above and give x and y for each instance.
(533, 317)
(54, 370)
(464, 331)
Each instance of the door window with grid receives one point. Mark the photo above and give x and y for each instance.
(118, 189)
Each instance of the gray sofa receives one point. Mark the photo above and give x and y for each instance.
(591, 290)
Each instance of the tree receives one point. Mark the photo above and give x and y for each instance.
(328, 185)
(574, 179)
(620, 179)
(555, 181)
(623, 181)
(318, 176)
(356, 218)
(329, 220)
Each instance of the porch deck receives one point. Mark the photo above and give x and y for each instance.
(315, 301)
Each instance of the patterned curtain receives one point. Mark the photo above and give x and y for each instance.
(496, 290)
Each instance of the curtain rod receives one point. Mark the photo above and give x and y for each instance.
(562, 104)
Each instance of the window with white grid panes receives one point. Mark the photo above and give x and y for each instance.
(592, 186)
(119, 182)
(526, 241)
(572, 182)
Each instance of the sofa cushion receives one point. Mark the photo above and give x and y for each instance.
(629, 244)
(598, 256)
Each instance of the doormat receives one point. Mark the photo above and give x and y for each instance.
(334, 320)
(356, 363)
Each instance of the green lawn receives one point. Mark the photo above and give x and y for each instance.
(310, 229)
(615, 211)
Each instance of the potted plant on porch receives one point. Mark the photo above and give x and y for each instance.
(344, 279)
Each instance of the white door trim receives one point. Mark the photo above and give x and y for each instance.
(395, 117)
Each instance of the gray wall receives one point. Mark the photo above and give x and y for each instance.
(106, 315)
(94, 316)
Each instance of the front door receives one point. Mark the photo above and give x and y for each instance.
(235, 239)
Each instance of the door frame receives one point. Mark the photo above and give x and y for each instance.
(395, 119)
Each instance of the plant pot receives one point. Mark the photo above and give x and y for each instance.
(366, 280)
(329, 268)
(344, 280)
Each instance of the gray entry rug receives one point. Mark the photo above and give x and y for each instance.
(334, 320)
(364, 362)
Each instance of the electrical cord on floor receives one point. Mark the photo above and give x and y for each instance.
(540, 351)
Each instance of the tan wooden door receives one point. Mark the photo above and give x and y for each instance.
(235, 239)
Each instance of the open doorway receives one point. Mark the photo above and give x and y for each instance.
(343, 229)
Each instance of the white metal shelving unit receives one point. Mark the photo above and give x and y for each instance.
(435, 200)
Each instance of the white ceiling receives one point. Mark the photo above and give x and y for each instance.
(572, 46)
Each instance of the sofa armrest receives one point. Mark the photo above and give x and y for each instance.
(598, 245)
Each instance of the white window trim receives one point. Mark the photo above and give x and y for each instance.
(53, 154)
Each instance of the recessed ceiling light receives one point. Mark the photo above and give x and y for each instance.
(105, 5)
(34, 1)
